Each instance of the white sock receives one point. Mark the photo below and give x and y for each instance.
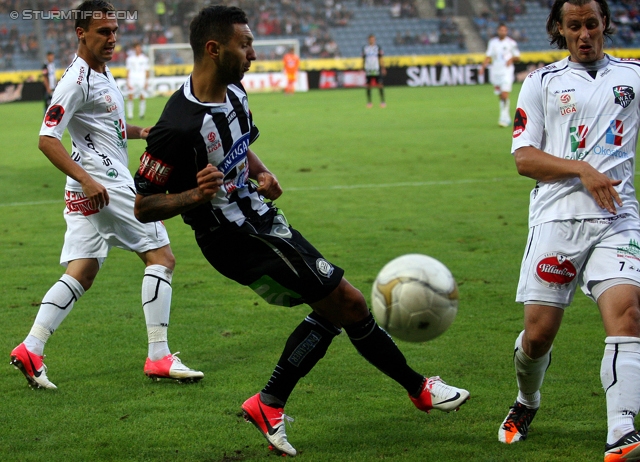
(504, 110)
(620, 375)
(143, 108)
(156, 303)
(529, 374)
(55, 306)
(129, 109)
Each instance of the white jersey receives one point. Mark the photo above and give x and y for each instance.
(91, 106)
(372, 54)
(587, 113)
(137, 67)
(500, 52)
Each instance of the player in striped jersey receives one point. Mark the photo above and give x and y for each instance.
(99, 200)
(200, 152)
(374, 69)
(575, 133)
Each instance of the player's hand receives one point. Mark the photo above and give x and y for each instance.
(96, 193)
(209, 182)
(601, 188)
(268, 185)
(145, 132)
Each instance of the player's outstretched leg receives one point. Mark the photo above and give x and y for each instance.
(271, 423)
(31, 366)
(436, 394)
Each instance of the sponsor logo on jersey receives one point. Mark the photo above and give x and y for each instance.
(519, 122)
(566, 103)
(623, 95)
(215, 143)
(324, 267)
(108, 98)
(80, 75)
(112, 108)
(78, 202)
(154, 170)
(236, 154)
(614, 133)
(578, 137)
(121, 131)
(630, 251)
(231, 117)
(54, 115)
(555, 270)
(112, 173)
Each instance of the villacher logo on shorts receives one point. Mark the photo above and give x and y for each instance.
(324, 267)
(555, 270)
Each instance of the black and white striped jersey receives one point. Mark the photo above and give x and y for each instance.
(191, 134)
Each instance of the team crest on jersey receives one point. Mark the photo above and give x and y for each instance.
(623, 95)
(54, 115)
(519, 122)
(245, 105)
(567, 104)
(555, 270)
(154, 170)
(324, 267)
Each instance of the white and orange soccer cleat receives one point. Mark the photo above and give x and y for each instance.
(31, 366)
(625, 449)
(515, 426)
(171, 367)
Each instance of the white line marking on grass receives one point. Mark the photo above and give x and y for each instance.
(333, 187)
(20, 204)
(396, 185)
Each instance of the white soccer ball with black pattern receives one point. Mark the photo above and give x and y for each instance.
(415, 298)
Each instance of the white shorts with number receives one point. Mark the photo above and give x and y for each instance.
(502, 82)
(91, 233)
(561, 255)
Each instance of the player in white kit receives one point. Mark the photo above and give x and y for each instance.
(502, 53)
(575, 132)
(137, 66)
(99, 197)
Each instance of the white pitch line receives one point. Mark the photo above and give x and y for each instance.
(332, 187)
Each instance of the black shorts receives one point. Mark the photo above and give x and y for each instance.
(285, 271)
(374, 80)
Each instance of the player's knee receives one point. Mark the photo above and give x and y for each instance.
(537, 342)
(352, 303)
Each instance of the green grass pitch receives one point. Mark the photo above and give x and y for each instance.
(430, 173)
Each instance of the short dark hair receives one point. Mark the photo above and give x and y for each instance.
(214, 23)
(83, 19)
(555, 17)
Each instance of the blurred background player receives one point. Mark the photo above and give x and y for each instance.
(575, 133)
(49, 78)
(502, 53)
(374, 69)
(291, 63)
(137, 80)
(99, 198)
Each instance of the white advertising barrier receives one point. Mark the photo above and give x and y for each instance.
(252, 82)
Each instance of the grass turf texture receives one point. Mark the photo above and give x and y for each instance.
(431, 173)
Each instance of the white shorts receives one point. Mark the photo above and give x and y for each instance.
(138, 89)
(91, 233)
(562, 254)
(502, 82)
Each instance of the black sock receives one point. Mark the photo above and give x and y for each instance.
(382, 95)
(368, 95)
(306, 345)
(377, 347)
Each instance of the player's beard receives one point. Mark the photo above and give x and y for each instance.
(231, 68)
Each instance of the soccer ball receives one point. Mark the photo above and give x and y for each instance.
(415, 298)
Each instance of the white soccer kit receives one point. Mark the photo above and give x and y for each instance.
(500, 52)
(591, 114)
(137, 69)
(90, 105)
